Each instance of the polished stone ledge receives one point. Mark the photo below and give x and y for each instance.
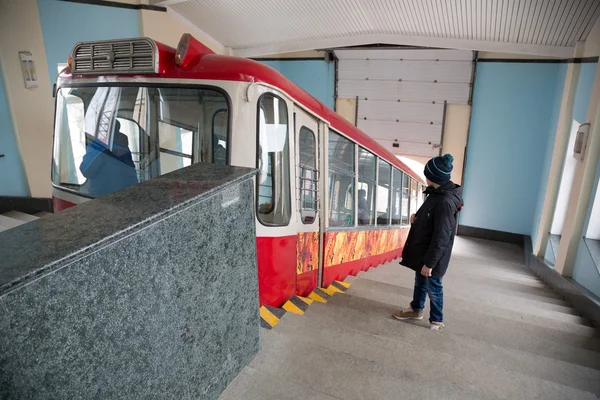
(147, 293)
(32, 249)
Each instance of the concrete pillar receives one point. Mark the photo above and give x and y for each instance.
(585, 172)
(561, 141)
(456, 130)
(581, 190)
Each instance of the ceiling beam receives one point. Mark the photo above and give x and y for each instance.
(421, 41)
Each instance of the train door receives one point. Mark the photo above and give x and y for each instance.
(306, 129)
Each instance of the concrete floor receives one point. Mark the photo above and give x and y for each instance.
(507, 336)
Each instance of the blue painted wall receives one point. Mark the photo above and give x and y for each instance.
(12, 178)
(584, 91)
(560, 84)
(65, 23)
(317, 77)
(585, 271)
(513, 110)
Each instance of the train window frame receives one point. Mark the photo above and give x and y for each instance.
(212, 131)
(124, 84)
(405, 219)
(414, 194)
(397, 195)
(371, 183)
(341, 200)
(315, 171)
(389, 166)
(288, 217)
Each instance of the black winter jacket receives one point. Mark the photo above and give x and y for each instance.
(431, 236)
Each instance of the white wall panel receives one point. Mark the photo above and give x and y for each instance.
(442, 71)
(427, 92)
(405, 131)
(410, 148)
(401, 93)
(416, 54)
(401, 111)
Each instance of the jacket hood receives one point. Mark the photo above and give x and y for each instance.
(450, 190)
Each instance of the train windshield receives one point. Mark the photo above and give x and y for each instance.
(108, 138)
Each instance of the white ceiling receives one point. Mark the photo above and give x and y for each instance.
(260, 27)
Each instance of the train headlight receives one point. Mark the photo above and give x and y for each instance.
(182, 48)
(189, 49)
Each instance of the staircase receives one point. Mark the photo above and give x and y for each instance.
(12, 219)
(507, 336)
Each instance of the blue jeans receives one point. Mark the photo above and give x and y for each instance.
(433, 287)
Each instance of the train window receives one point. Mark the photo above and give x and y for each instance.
(383, 193)
(220, 120)
(70, 141)
(108, 138)
(175, 147)
(397, 197)
(367, 168)
(413, 196)
(341, 174)
(405, 199)
(308, 175)
(274, 197)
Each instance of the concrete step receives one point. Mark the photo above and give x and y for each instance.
(448, 356)
(376, 317)
(43, 214)
(485, 250)
(473, 283)
(20, 216)
(390, 369)
(531, 289)
(9, 223)
(252, 384)
(498, 305)
(507, 337)
(345, 376)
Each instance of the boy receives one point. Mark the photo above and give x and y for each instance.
(429, 243)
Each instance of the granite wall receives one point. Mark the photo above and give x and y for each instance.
(147, 293)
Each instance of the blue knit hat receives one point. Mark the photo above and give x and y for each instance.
(438, 169)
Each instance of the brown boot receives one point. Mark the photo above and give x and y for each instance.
(408, 313)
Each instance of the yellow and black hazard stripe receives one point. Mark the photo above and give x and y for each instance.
(320, 295)
(341, 286)
(297, 305)
(270, 316)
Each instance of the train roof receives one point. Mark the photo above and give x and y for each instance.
(207, 65)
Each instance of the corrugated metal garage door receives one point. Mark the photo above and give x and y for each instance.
(401, 93)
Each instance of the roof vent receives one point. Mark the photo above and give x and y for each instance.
(123, 56)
